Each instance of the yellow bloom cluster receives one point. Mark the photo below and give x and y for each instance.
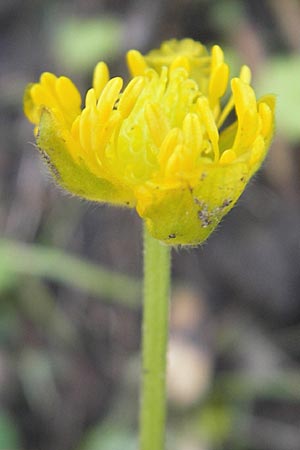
(161, 144)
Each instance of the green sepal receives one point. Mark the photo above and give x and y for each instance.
(72, 176)
(187, 216)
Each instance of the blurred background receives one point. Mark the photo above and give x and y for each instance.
(70, 271)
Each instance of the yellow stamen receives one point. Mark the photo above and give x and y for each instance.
(217, 57)
(177, 162)
(192, 132)
(90, 98)
(245, 76)
(218, 84)
(109, 97)
(100, 78)
(210, 125)
(244, 97)
(42, 96)
(257, 151)
(227, 157)
(136, 63)
(85, 129)
(102, 133)
(67, 93)
(182, 62)
(48, 79)
(157, 123)
(246, 110)
(172, 139)
(130, 96)
(266, 118)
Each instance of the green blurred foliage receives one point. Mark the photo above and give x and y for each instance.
(224, 13)
(9, 436)
(80, 43)
(37, 378)
(109, 437)
(281, 77)
(216, 423)
(21, 259)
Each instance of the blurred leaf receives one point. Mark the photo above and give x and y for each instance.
(216, 422)
(9, 436)
(281, 77)
(109, 437)
(7, 277)
(36, 374)
(54, 264)
(234, 62)
(80, 43)
(280, 385)
(38, 304)
(10, 325)
(226, 12)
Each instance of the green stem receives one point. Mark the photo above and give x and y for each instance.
(154, 343)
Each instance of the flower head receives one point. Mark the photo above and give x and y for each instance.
(160, 144)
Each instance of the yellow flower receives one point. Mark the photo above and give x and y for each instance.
(162, 144)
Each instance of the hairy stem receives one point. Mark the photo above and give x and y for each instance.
(154, 343)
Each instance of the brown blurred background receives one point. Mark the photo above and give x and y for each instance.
(70, 271)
